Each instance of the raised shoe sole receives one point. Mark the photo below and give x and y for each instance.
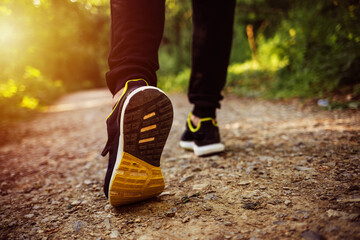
(203, 150)
(145, 123)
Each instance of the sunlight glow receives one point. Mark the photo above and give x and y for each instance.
(37, 2)
(7, 33)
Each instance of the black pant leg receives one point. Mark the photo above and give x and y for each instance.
(212, 39)
(136, 31)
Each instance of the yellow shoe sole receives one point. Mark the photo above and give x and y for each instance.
(135, 180)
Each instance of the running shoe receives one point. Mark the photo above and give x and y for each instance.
(138, 128)
(203, 139)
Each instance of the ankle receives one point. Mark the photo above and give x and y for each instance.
(117, 96)
(194, 120)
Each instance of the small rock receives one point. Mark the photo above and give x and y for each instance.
(187, 178)
(78, 225)
(137, 220)
(197, 169)
(323, 103)
(171, 213)
(87, 181)
(207, 208)
(200, 187)
(166, 194)
(107, 224)
(173, 159)
(243, 183)
(274, 202)
(302, 168)
(311, 235)
(76, 202)
(250, 205)
(107, 207)
(186, 219)
(211, 196)
(333, 213)
(29, 215)
(228, 224)
(114, 234)
(287, 202)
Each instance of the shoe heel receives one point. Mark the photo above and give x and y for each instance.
(135, 180)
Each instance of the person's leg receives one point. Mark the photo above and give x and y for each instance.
(212, 39)
(140, 121)
(136, 31)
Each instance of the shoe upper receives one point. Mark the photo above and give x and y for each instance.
(206, 133)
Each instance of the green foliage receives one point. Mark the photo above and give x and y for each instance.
(174, 82)
(315, 48)
(64, 42)
(19, 97)
(248, 79)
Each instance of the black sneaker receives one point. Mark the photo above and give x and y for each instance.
(203, 139)
(138, 128)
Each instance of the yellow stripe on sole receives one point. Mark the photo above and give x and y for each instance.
(135, 180)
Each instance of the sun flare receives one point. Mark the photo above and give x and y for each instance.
(7, 33)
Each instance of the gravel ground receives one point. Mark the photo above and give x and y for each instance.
(289, 172)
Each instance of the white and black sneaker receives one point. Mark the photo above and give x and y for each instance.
(138, 128)
(203, 139)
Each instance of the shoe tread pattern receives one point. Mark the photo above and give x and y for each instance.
(144, 103)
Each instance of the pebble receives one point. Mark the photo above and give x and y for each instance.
(243, 183)
(323, 103)
(87, 181)
(186, 219)
(250, 205)
(76, 202)
(166, 194)
(137, 220)
(228, 224)
(211, 196)
(187, 178)
(287, 202)
(107, 224)
(334, 214)
(302, 169)
(114, 234)
(171, 213)
(78, 225)
(207, 208)
(29, 215)
(200, 187)
(107, 207)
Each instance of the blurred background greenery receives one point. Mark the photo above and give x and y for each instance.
(281, 49)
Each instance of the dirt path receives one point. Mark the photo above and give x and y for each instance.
(289, 172)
